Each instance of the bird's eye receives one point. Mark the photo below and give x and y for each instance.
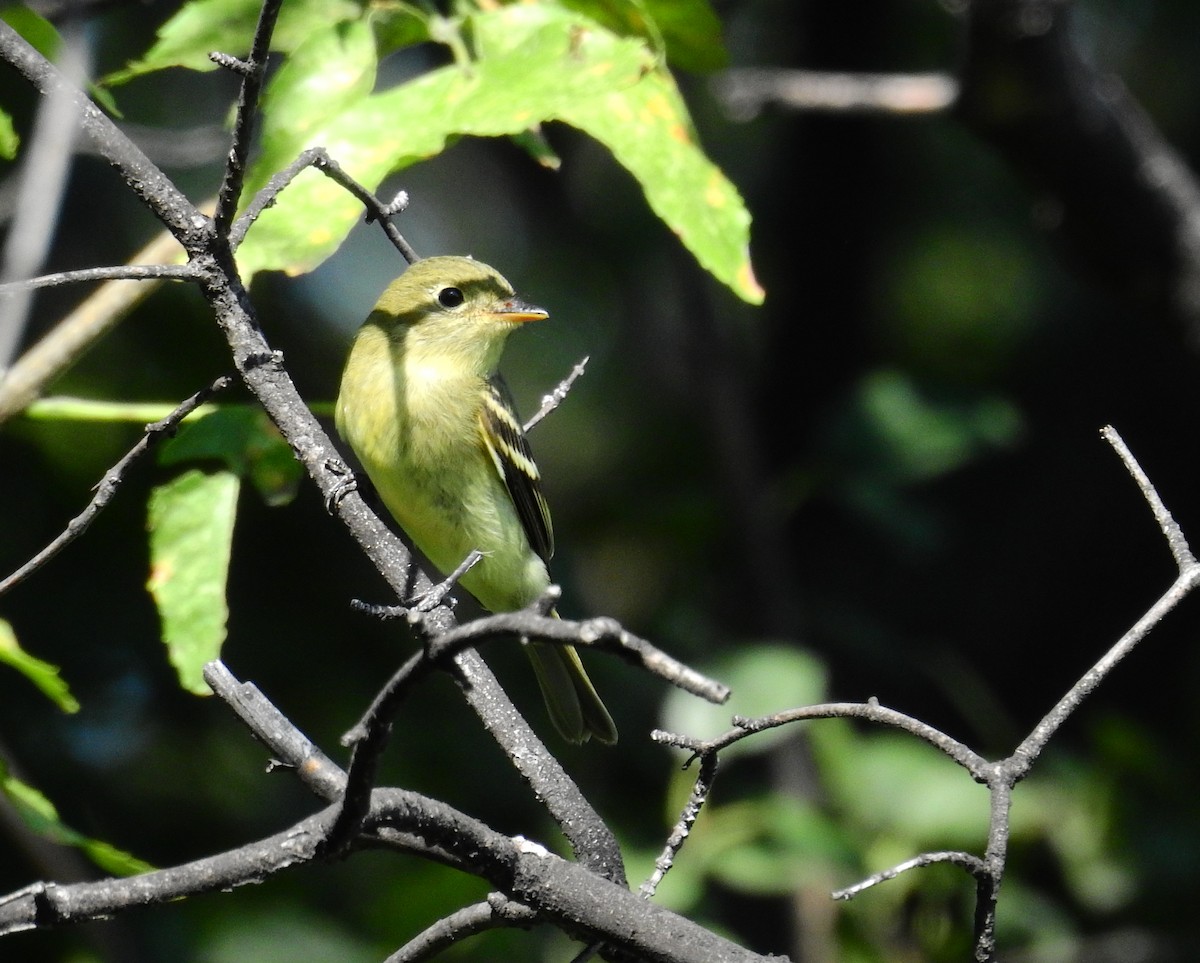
(450, 297)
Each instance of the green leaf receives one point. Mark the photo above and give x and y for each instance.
(331, 70)
(191, 532)
(37, 31)
(9, 141)
(689, 29)
(203, 26)
(399, 25)
(648, 130)
(536, 63)
(42, 674)
(506, 92)
(245, 440)
(40, 815)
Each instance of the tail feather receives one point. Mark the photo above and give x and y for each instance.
(575, 707)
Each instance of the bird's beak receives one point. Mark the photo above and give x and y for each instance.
(516, 311)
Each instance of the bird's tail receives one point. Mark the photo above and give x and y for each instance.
(571, 699)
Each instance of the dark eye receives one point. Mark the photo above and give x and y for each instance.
(450, 297)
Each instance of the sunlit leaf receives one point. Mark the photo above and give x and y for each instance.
(42, 674)
(41, 817)
(9, 141)
(36, 30)
(536, 63)
(328, 72)
(689, 29)
(191, 531)
(203, 26)
(648, 130)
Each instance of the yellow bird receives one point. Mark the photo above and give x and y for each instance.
(433, 424)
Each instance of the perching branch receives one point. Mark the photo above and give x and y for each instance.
(261, 369)
(370, 735)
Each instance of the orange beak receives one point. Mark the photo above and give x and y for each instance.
(516, 311)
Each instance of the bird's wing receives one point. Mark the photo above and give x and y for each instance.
(505, 441)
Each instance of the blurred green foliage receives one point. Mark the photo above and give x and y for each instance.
(885, 481)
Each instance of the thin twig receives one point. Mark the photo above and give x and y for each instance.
(318, 158)
(271, 727)
(416, 609)
(247, 110)
(556, 397)
(701, 790)
(120, 272)
(1189, 575)
(870, 711)
(435, 596)
(108, 485)
(377, 210)
(971, 863)
(494, 912)
(603, 634)
(1166, 522)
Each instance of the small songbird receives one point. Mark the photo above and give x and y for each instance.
(433, 424)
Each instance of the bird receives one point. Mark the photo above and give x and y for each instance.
(429, 417)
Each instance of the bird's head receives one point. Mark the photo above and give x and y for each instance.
(453, 306)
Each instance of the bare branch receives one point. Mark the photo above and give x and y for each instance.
(870, 711)
(318, 158)
(121, 272)
(1189, 575)
(683, 827)
(972, 864)
(275, 731)
(107, 487)
(494, 912)
(558, 395)
(1184, 558)
(253, 74)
